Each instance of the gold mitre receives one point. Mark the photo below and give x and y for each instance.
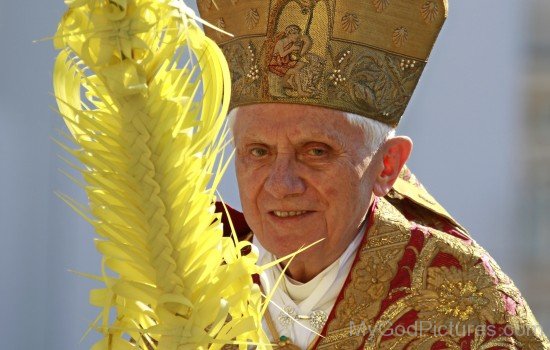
(358, 56)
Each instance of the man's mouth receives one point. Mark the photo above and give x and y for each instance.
(285, 214)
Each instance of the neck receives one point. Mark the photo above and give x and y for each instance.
(308, 264)
(305, 271)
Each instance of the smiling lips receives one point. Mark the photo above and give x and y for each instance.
(284, 214)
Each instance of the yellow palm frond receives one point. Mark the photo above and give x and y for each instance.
(144, 94)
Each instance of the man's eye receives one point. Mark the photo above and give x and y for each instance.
(258, 152)
(316, 152)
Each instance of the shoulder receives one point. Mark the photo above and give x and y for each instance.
(457, 285)
(451, 290)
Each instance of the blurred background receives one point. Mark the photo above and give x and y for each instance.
(480, 120)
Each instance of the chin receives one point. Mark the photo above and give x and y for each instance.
(282, 245)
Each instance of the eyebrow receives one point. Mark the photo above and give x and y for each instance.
(253, 139)
(330, 137)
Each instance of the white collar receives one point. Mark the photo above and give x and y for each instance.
(319, 294)
(308, 295)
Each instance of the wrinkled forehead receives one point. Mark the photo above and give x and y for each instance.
(295, 122)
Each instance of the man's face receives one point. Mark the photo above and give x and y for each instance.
(303, 175)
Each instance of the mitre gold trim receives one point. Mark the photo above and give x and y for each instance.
(358, 56)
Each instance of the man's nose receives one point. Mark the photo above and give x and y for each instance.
(284, 181)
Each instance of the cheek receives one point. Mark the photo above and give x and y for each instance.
(347, 192)
(249, 189)
(248, 178)
(332, 192)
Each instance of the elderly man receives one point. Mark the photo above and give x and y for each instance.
(320, 161)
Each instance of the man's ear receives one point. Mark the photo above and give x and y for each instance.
(392, 156)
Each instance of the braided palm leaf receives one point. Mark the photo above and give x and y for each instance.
(144, 93)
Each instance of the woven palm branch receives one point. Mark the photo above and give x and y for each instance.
(144, 94)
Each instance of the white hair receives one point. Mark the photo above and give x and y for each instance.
(376, 133)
